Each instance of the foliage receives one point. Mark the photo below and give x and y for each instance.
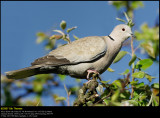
(149, 38)
(128, 90)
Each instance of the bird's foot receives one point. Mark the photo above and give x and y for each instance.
(91, 71)
(88, 81)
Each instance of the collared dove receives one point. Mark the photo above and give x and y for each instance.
(80, 58)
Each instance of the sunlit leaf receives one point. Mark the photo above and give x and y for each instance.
(75, 37)
(59, 31)
(120, 55)
(121, 20)
(134, 82)
(149, 49)
(41, 37)
(106, 101)
(115, 96)
(74, 89)
(62, 77)
(144, 63)
(149, 77)
(155, 85)
(55, 37)
(41, 34)
(105, 82)
(110, 70)
(118, 4)
(136, 4)
(132, 60)
(118, 83)
(60, 98)
(70, 29)
(37, 86)
(125, 72)
(139, 85)
(134, 102)
(126, 16)
(139, 74)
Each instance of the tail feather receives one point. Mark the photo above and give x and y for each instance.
(23, 73)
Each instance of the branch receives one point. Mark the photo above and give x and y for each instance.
(87, 92)
(132, 67)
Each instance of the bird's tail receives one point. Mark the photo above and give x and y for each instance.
(23, 73)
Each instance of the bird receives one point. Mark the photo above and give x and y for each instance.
(80, 58)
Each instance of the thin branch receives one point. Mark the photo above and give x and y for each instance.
(132, 67)
(68, 94)
(104, 97)
(150, 101)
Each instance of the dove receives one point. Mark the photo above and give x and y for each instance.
(80, 58)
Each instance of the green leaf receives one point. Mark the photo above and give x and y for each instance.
(125, 94)
(136, 4)
(120, 55)
(135, 103)
(70, 29)
(63, 24)
(41, 37)
(106, 101)
(149, 49)
(59, 31)
(41, 34)
(118, 83)
(118, 4)
(149, 77)
(110, 70)
(74, 89)
(121, 20)
(55, 37)
(132, 60)
(134, 82)
(125, 72)
(139, 85)
(145, 63)
(105, 82)
(139, 74)
(60, 98)
(126, 16)
(75, 37)
(62, 77)
(37, 86)
(115, 96)
(155, 85)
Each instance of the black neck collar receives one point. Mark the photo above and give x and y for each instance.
(111, 38)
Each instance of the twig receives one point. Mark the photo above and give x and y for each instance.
(136, 48)
(150, 101)
(132, 67)
(104, 97)
(68, 94)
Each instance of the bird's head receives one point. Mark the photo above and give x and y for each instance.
(121, 33)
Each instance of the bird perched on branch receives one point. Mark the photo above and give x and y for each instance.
(80, 58)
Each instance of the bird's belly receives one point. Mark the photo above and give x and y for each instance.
(79, 70)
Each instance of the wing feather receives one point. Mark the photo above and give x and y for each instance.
(79, 51)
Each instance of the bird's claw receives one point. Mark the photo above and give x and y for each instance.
(91, 71)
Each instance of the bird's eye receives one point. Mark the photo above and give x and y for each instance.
(123, 29)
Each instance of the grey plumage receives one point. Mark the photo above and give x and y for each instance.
(74, 59)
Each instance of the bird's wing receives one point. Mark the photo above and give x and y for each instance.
(82, 50)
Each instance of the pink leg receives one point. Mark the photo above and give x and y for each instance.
(91, 71)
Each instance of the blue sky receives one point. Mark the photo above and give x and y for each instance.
(21, 20)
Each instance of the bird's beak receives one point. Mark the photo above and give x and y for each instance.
(132, 35)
